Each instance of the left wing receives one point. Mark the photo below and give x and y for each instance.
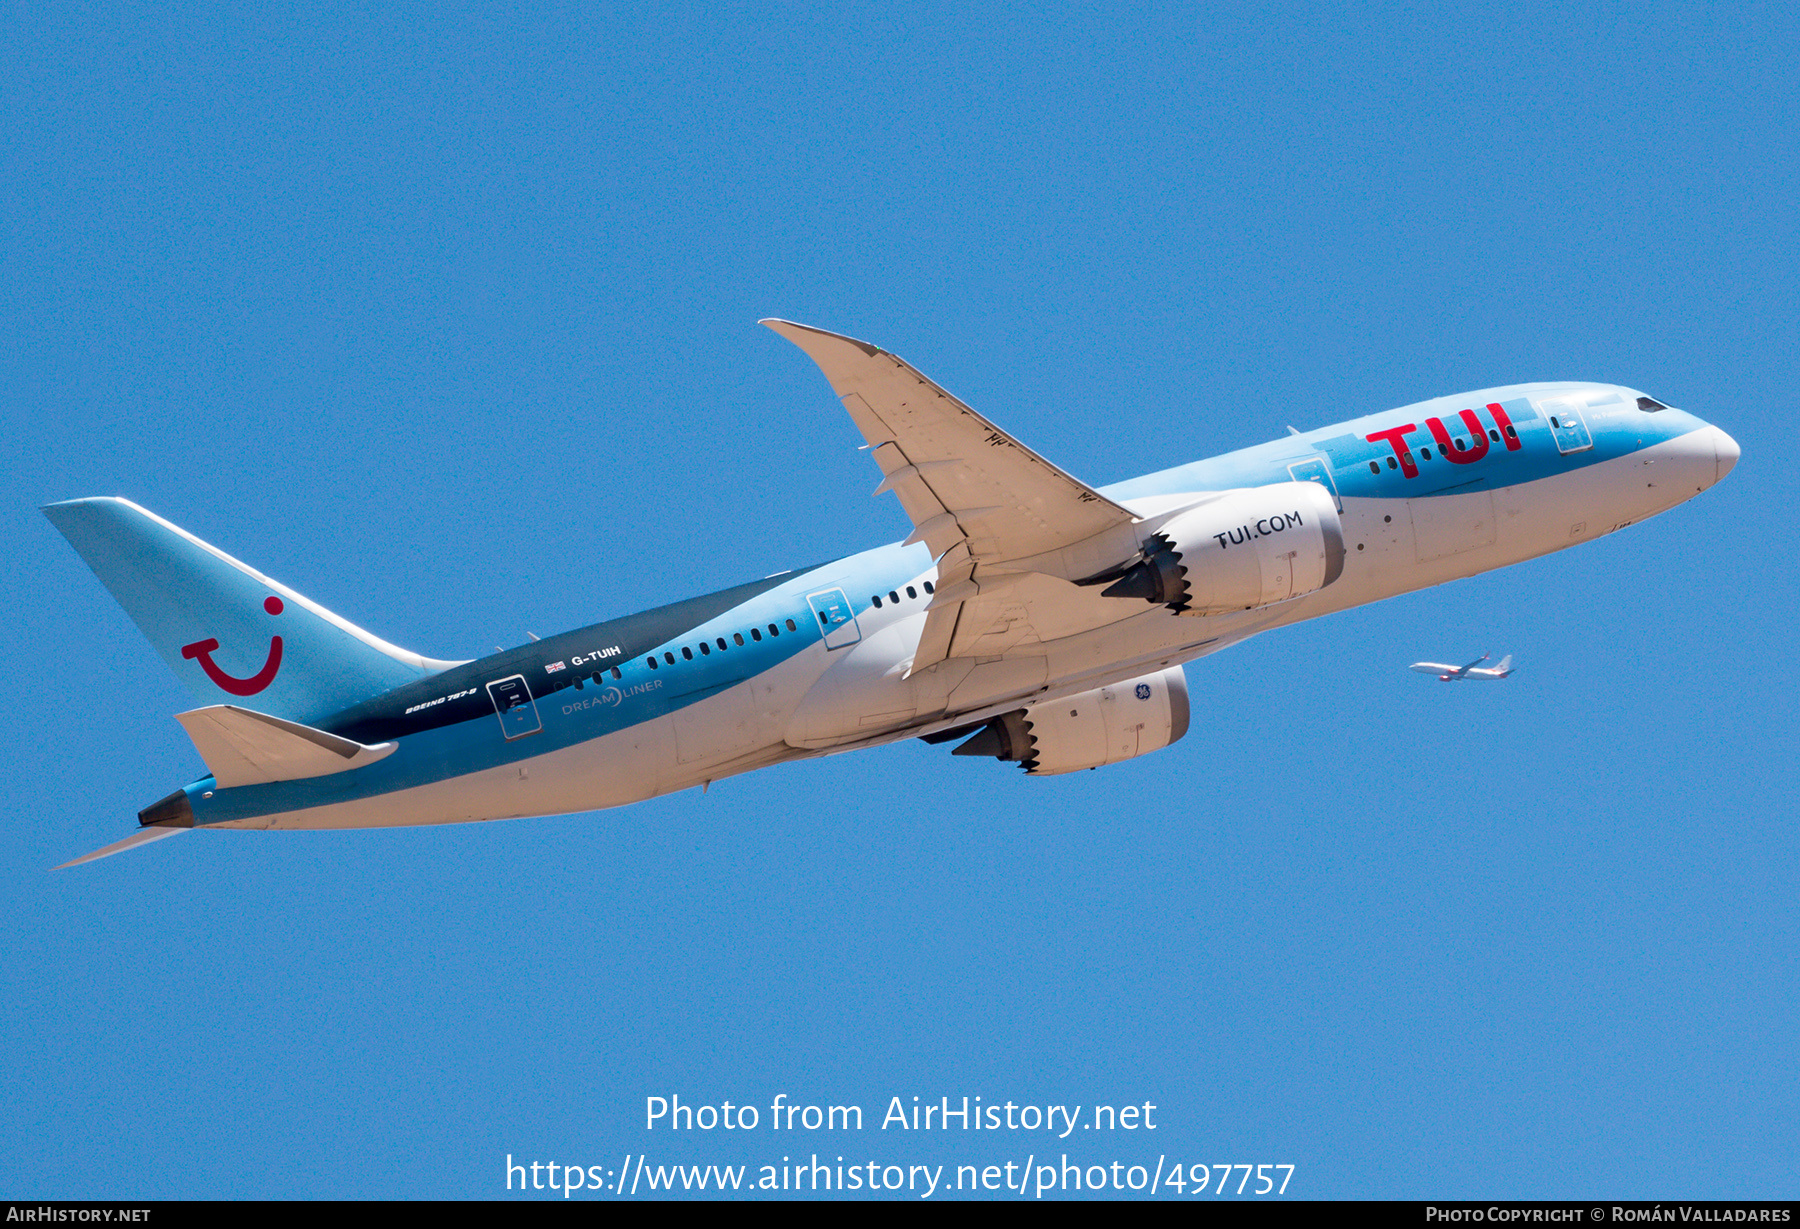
(989, 508)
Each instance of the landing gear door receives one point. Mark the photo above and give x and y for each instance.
(1317, 471)
(1566, 425)
(836, 620)
(516, 709)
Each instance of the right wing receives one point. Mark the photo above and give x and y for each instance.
(989, 508)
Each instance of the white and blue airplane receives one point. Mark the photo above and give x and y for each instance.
(1474, 670)
(1043, 621)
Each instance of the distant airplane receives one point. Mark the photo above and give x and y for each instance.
(1452, 674)
(1032, 618)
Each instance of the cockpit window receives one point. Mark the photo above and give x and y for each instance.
(1650, 405)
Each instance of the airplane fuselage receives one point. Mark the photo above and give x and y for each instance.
(817, 660)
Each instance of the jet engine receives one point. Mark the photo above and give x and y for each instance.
(1102, 726)
(1239, 550)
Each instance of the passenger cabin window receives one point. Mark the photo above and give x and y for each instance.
(1426, 453)
(790, 625)
(687, 654)
(723, 646)
(756, 633)
(1512, 432)
(670, 657)
(911, 592)
(739, 638)
(1392, 464)
(652, 660)
(705, 649)
(1374, 467)
(1493, 435)
(893, 597)
(615, 672)
(1554, 423)
(928, 587)
(876, 599)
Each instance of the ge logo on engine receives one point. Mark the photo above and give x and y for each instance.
(1143, 691)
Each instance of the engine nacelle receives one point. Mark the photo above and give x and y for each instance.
(1244, 549)
(1102, 726)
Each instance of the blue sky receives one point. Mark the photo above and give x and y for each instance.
(445, 317)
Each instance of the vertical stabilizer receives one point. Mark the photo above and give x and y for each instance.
(228, 631)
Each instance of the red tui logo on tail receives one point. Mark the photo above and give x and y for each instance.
(203, 651)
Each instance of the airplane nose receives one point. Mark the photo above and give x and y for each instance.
(1725, 453)
(1701, 457)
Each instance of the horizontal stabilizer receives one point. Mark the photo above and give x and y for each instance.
(143, 836)
(242, 747)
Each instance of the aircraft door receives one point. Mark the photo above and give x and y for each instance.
(836, 620)
(514, 706)
(1317, 471)
(1567, 425)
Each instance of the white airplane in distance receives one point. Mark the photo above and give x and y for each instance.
(1454, 674)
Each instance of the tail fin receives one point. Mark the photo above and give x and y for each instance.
(1505, 664)
(226, 629)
